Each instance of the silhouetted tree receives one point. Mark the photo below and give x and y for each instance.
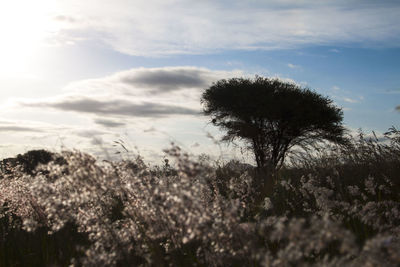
(272, 116)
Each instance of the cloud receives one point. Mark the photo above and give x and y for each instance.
(6, 122)
(114, 107)
(195, 27)
(344, 95)
(137, 94)
(334, 50)
(350, 100)
(18, 129)
(10, 126)
(109, 123)
(88, 133)
(292, 66)
(149, 130)
(150, 81)
(392, 91)
(196, 144)
(97, 141)
(167, 79)
(65, 18)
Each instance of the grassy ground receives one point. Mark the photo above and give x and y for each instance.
(336, 207)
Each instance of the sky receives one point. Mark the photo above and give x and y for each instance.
(86, 74)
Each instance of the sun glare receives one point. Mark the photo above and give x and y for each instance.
(24, 24)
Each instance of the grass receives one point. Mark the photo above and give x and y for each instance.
(336, 207)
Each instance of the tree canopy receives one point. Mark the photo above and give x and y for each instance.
(272, 116)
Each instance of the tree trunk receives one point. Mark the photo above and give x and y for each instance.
(265, 178)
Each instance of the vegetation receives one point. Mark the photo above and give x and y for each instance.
(272, 116)
(336, 207)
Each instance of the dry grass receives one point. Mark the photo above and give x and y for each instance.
(339, 207)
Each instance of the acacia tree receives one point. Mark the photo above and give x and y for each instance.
(272, 116)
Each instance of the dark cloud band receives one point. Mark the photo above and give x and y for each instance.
(166, 79)
(115, 107)
(18, 129)
(109, 123)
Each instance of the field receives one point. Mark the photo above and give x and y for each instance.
(334, 207)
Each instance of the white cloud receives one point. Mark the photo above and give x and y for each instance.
(350, 100)
(293, 66)
(154, 27)
(343, 95)
(353, 100)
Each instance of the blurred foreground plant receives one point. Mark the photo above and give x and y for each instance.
(336, 208)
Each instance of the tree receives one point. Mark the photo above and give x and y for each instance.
(272, 116)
